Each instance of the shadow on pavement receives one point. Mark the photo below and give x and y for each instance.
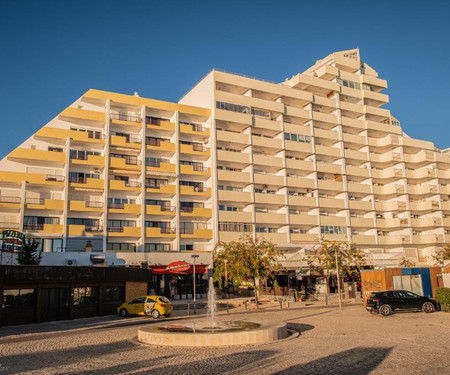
(357, 361)
(299, 327)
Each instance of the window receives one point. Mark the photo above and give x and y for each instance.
(17, 300)
(149, 247)
(81, 178)
(121, 246)
(155, 183)
(235, 227)
(139, 300)
(297, 138)
(187, 247)
(328, 229)
(85, 296)
(112, 224)
(114, 295)
(233, 107)
(90, 224)
(55, 149)
(346, 83)
(82, 155)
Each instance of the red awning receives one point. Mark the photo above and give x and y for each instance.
(161, 270)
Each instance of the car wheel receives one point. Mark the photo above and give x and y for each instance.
(155, 314)
(428, 307)
(385, 310)
(123, 313)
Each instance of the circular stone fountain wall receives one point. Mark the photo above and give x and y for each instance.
(226, 333)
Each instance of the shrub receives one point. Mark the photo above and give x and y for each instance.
(443, 297)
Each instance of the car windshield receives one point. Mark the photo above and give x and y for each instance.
(164, 299)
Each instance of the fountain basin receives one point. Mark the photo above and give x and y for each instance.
(226, 333)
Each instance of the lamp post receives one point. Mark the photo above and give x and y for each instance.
(194, 256)
(338, 278)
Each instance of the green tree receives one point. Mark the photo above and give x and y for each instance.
(247, 259)
(29, 255)
(323, 258)
(406, 263)
(442, 254)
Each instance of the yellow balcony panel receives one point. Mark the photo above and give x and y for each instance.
(121, 164)
(197, 212)
(330, 185)
(234, 196)
(358, 188)
(390, 223)
(41, 155)
(334, 237)
(327, 134)
(268, 179)
(94, 160)
(162, 168)
(276, 238)
(119, 141)
(233, 157)
(82, 230)
(307, 183)
(426, 222)
(394, 239)
(333, 220)
(357, 155)
(194, 130)
(89, 183)
(266, 142)
(158, 210)
(390, 206)
(428, 238)
(270, 218)
(361, 239)
(198, 233)
(446, 222)
(424, 206)
(417, 143)
(361, 222)
(224, 175)
(162, 189)
(84, 206)
(162, 146)
(232, 236)
(424, 189)
(195, 150)
(304, 238)
(302, 201)
(124, 120)
(300, 164)
(263, 123)
(249, 101)
(232, 137)
(269, 198)
(351, 107)
(160, 232)
(443, 189)
(442, 157)
(356, 171)
(388, 190)
(123, 185)
(329, 168)
(235, 216)
(124, 232)
(352, 138)
(382, 127)
(324, 117)
(309, 83)
(8, 206)
(331, 203)
(360, 205)
(165, 126)
(445, 206)
(127, 208)
(300, 147)
(195, 170)
(44, 228)
(375, 81)
(48, 132)
(269, 161)
(190, 190)
(45, 204)
(303, 220)
(83, 114)
(241, 118)
(328, 151)
(353, 123)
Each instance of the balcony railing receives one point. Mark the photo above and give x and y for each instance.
(123, 117)
(198, 147)
(154, 186)
(9, 225)
(93, 228)
(195, 127)
(94, 204)
(119, 206)
(116, 229)
(133, 184)
(33, 226)
(54, 177)
(40, 201)
(6, 199)
(167, 208)
(150, 141)
(149, 120)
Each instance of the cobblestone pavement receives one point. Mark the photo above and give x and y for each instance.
(331, 342)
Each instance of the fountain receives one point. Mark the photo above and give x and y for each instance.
(213, 331)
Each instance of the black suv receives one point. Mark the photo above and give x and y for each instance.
(399, 300)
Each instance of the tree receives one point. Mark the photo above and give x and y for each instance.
(247, 259)
(406, 263)
(442, 254)
(323, 258)
(29, 255)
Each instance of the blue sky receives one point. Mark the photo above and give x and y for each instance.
(53, 51)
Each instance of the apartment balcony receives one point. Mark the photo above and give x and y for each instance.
(361, 239)
(388, 189)
(334, 237)
(388, 157)
(329, 168)
(374, 81)
(161, 189)
(83, 114)
(44, 229)
(276, 238)
(134, 143)
(356, 155)
(394, 239)
(158, 210)
(392, 223)
(382, 127)
(327, 134)
(270, 218)
(9, 225)
(195, 191)
(423, 189)
(240, 177)
(262, 123)
(422, 174)
(90, 160)
(417, 143)
(420, 157)
(300, 147)
(201, 234)
(126, 120)
(196, 212)
(234, 196)
(44, 204)
(48, 132)
(360, 205)
(324, 117)
(389, 140)
(304, 238)
(157, 232)
(231, 236)
(236, 216)
(428, 239)
(232, 137)
(88, 183)
(333, 220)
(196, 170)
(195, 149)
(233, 157)
(48, 157)
(267, 142)
(443, 174)
(240, 118)
(330, 185)
(376, 96)
(442, 157)
(10, 203)
(331, 203)
(351, 107)
(327, 72)
(352, 138)
(85, 206)
(303, 219)
(302, 201)
(353, 123)
(444, 189)
(162, 146)
(124, 208)
(313, 84)
(194, 129)
(425, 222)
(125, 164)
(82, 230)
(161, 168)
(300, 165)
(275, 199)
(125, 185)
(445, 205)
(351, 170)
(124, 231)
(268, 179)
(297, 112)
(358, 188)
(446, 222)
(328, 151)
(389, 173)
(307, 183)
(390, 206)
(162, 125)
(249, 101)
(424, 206)
(268, 161)
(361, 222)
(375, 111)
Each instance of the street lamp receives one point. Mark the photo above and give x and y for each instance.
(194, 256)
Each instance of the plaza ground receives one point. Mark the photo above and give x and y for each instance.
(350, 341)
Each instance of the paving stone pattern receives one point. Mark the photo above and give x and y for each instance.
(331, 342)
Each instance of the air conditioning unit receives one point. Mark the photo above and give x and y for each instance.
(71, 262)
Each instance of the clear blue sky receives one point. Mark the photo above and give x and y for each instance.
(53, 51)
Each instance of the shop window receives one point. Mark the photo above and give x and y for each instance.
(85, 296)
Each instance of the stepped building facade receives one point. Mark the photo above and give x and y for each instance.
(316, 157)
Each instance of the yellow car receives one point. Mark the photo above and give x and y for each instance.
(147, 305)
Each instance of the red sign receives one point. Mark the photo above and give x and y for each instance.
(179, 266)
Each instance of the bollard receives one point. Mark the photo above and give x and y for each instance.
(326, 300)
(281, 304)
(189, 310)
(245, 304)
